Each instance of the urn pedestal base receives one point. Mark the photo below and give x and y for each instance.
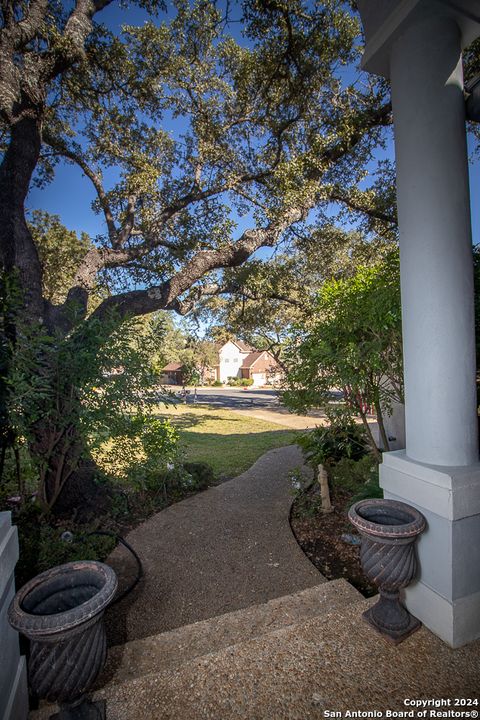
(393, 636)
(391, 619)
(86, 710)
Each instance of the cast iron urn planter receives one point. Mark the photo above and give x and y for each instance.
(61, 613)
(389, 529)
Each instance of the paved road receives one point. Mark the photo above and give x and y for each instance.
(239, 399)
(262, 404)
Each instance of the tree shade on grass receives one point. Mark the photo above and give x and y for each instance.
(229, 442)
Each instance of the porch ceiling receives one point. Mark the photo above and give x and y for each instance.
(385, 20)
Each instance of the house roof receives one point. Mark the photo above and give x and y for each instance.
(252, 358)
(243, 346)
(172, 366)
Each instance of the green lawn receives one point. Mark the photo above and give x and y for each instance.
(228, 441)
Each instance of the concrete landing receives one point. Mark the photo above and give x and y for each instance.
(334, 662)
(176, 647)
(227, 548)
(289, 669)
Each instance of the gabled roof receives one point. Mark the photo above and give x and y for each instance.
(243, 346)
(171, 367)
(252, 358)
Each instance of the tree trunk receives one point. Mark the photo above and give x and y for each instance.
(381, 427)
(66, 483)
(355, 401)
(19, 260)
(7, 342)
(370, 439)
(17, 249)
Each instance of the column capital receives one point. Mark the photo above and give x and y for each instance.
(384, 21)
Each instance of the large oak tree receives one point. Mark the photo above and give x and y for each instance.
(200, 119)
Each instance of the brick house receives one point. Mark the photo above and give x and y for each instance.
(239, 360)
(172, 374)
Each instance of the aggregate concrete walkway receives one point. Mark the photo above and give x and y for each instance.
(227, 548)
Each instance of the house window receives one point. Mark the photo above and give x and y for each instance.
(235, 360)
(226, 360)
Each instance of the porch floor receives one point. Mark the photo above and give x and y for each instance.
(332, 662)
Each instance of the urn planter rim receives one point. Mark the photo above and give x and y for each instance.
(50, 624)
(410, 528)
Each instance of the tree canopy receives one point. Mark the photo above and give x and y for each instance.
(268, 127)
(262, 301)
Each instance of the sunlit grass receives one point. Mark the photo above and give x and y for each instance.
(230, 442)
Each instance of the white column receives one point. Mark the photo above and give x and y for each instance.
(435, 244)
(417, 44)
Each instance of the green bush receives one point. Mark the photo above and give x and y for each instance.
(217, 383)
(201, 473)
(329, 444)
(158, 487)
(239, 382)
(352, 475)
(370, 488)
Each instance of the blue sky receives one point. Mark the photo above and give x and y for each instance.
(70, 194)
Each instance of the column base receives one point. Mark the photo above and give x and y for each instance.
(456, 623)
(446, 595)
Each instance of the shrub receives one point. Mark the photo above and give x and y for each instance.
(142, 455)
(327, 447)
(353, 475)
(201, 473)
(370, 488)
(239, 382)
(217, 383)
(329, 444)
(354, 342)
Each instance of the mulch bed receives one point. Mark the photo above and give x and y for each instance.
(319, 536)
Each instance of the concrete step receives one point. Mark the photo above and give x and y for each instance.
(333, 662)
(167, 652)
(172, 649)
